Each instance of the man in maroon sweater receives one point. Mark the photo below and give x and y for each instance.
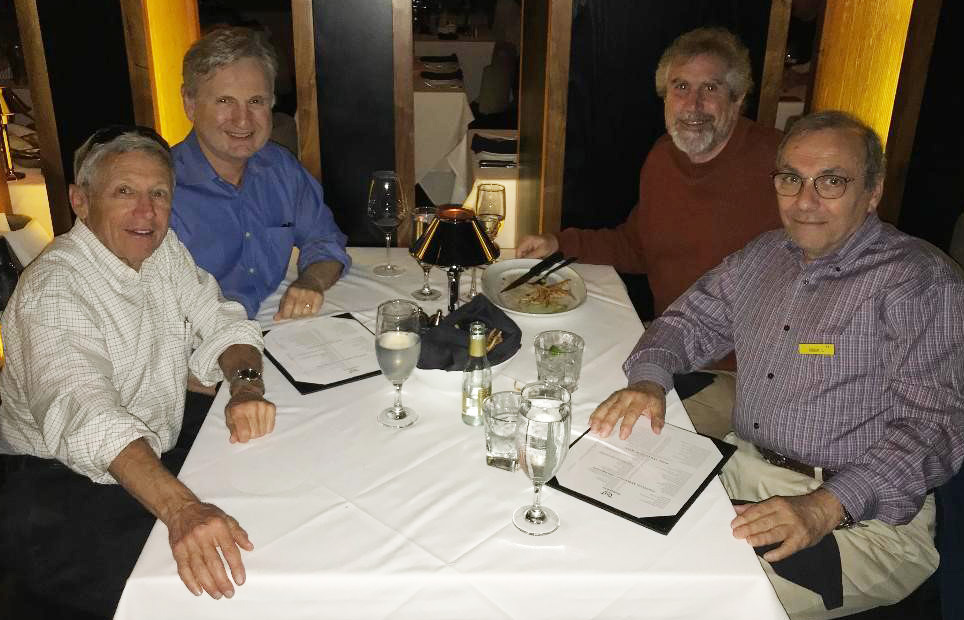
(704, 192)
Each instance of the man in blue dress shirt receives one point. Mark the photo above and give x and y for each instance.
(242, 203)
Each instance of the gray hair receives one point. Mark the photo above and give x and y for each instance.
(89, 158)
(222, 47)
(874, 159)
(717, 42)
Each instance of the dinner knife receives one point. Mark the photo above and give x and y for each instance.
(544, 277)
(546, 262)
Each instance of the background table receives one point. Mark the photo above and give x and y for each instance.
(441, 118)
(468, 176)
(354, 520)
(474, 55)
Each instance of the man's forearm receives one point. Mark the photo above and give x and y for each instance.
(239, 357)
(142, 474)
(319, 276)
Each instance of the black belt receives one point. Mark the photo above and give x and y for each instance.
(775, 458)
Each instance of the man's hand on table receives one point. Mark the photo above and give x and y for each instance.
(247, 414)
(299, 301)
(306, 295)
(645, 398)
(536, 246)
(196, 532)
(797, 522)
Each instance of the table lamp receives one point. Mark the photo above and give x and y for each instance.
(453, 241)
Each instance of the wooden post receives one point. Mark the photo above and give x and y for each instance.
(546, 36)
(771, 83)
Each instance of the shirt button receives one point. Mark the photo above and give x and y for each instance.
(769, 375)
(756, 425)
(806, 282)
(786, 328)
(250, 269)
(837, 269)
(247, 234)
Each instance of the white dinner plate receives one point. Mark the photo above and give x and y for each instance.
(501, 274)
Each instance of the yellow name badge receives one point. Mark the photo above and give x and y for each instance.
(815, 349)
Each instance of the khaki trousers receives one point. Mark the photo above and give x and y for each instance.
(711, 409)
(881, 563)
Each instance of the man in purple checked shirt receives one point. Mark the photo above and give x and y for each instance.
(850, 399)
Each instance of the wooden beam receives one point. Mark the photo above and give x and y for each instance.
(546, 37)
(771, 83)
(907, 102)
(44, 116)
(402, 57)
(861, 48)
(303, 34)
(138, 63)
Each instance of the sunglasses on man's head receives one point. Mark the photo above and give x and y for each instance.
(106, 134)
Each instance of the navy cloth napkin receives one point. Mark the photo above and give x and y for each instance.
(449, 58)
(446, 346)
(499, 146)
(816, 568)
(452, 75)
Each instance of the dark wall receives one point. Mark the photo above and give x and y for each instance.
(353, 56)
(87, 69)
(934, 193)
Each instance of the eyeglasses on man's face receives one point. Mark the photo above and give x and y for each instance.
(829, 186)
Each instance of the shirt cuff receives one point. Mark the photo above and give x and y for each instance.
(855, 492)
(649, 372)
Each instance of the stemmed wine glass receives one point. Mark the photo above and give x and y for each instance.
(386, 208)
(397, 345)
(421, 218)
(490, 211)
(542, 439)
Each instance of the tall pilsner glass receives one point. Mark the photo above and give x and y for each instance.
(542, 439)
(397, 345)
(490, 211)
(386, 208)
(422, 217)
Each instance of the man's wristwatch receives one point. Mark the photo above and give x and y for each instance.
(846, 522)
(249, 375)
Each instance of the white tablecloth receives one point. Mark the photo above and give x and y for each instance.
(354, 520)
(474, 55)
(441, 118)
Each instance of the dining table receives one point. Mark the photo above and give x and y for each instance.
(351, 519)
(474, 53)
(440, 120)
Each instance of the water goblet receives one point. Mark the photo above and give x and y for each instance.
(397, 345)
(542, 439)
(422, 217)
(386, 208)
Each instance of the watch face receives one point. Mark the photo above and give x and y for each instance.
(248, 374)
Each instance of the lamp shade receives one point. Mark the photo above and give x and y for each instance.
(455, 239)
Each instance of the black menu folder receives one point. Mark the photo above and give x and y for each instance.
(661, 524)
(310, 388)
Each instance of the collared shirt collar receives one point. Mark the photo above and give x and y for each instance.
(197, 170)
(865, 235)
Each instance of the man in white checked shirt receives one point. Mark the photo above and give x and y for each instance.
(849, 336)
(98, 338)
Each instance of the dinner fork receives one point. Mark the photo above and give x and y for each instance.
(545, 277)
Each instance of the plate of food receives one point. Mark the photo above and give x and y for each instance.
(563, 291)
